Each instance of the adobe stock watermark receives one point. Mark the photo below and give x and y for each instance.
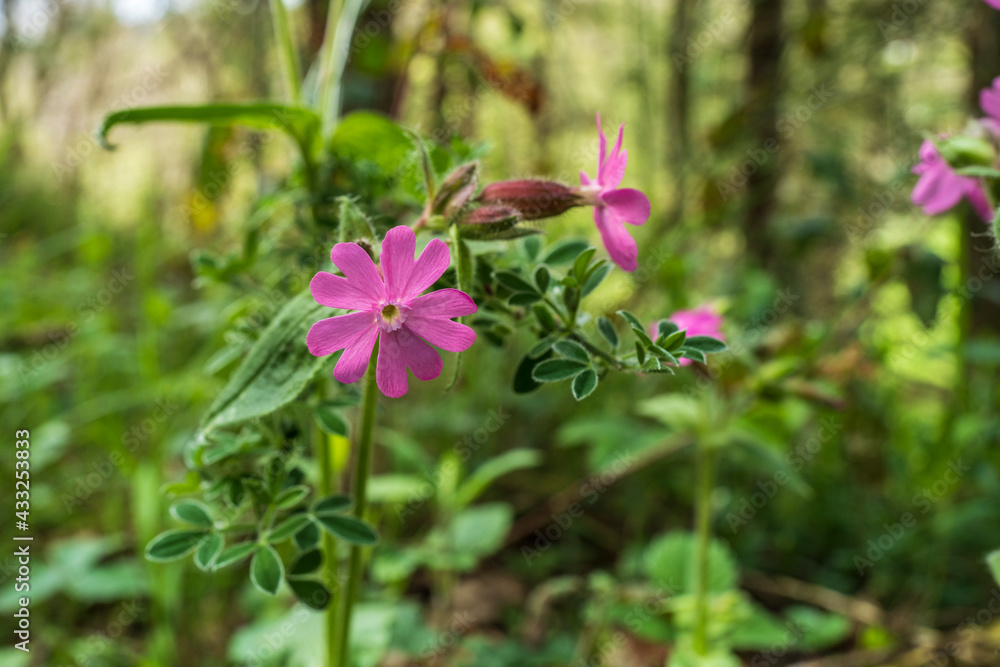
(786, 126)
(924, 500)
(900, 15)
(461, 623)
(707, 36)
(796, 460)
(87, 144)
(464, 449)
(651, 607)
(589, 493)
(99, 642)
(86, 311)
(82, 487)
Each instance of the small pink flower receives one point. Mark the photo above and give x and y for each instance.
(614, 206)
(940, 188)
(995, 4)
(390, 309)
(701, 321)
(989, 98)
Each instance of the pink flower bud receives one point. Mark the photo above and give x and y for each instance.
(534, 199)
(489, 215)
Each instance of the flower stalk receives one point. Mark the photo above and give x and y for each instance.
(705, 463)
(361, 473)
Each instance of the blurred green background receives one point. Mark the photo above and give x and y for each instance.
(774, 139)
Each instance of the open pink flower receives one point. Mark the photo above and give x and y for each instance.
(701, 321)
(614, 206)
(940, 188)
(390, 309)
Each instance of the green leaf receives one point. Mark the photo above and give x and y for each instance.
(524, 382)
(205, 557)
(705, 344)
(234, 554)
(266, 570)
(643, 337)
(608, 331)
(595, 279)
(174, 544)
(978, 172)
(348, 529)
(276, 369)
(670, 560)
(674, 341)
(307, 538)
(363, 135)
(640, 353)
(694, 355)
(300, 123)
(556, 370)
(563, 253)
(542, 346)
(581, 264)
(484, 475)
(291, 497)
(572, 350)
(191, 511)
(307, 563)
(514, 282)
(665, 328)
(479, 531)
(524, 298)
(631, 319)
(329, 421)
(287, 528)
(542, 278)
(584, 384)
(993, 561)
(544, 317)
(311, 593)
(333, 504)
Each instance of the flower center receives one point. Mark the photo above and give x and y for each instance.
(391, 316)
(590, 195)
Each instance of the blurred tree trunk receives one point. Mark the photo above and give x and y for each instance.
(766, 43)
(984, 305)
(679, 108)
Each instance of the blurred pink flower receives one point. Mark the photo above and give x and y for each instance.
(614, 206)
(390, 309)
(995, 4)
(940, 188)
(700, 321)
(989, 98)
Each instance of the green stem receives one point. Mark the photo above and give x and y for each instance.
(703, 537)
(286, 51)
(361, 473)
(330, 562)
(340, 20)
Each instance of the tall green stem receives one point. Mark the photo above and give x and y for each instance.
(330, 562)
(703, 537)
(340, 19)
(361, 472)
(286, 51)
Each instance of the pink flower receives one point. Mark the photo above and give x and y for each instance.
(701, 321)
(390, 309)
(989, 98)
(940, 188)
(995, 4)
(614, 206)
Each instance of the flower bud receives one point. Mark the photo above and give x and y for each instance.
(489, 215)
(534, 199)
(456, 189)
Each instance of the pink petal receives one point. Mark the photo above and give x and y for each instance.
(354, 361)
(628, 205)
(337, 292)
(989, 98)
(433, 261)
(977, 197)
(397, 260)
(701, 321)
(445, 334)
(585, 179)
(938, 190)
(620, 246)
(995, 4)
(335, 333)
(359, 269)
(397, 350)
(604, 147)
(446, 303)
(612, 169)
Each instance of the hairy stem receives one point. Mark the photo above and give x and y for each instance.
(703, 536)
(330, 562)
(361, 473)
